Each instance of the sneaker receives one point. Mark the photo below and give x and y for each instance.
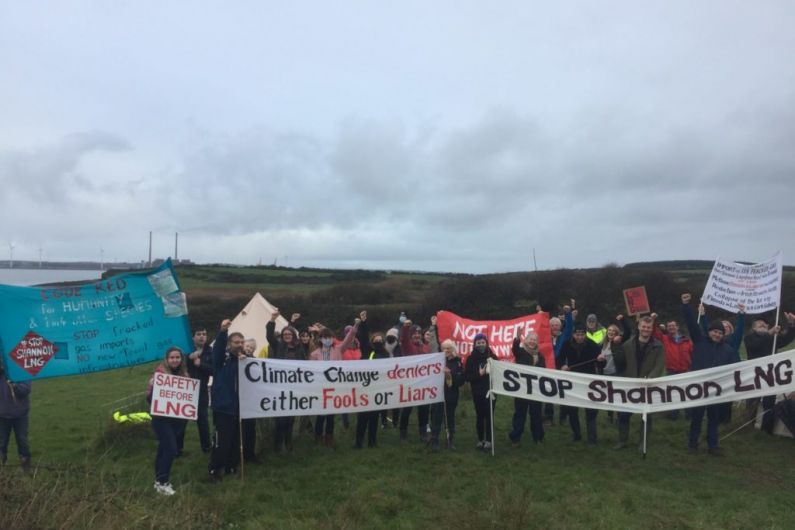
(487, 446)
(479, 446)
(214, 476)
(164, 489)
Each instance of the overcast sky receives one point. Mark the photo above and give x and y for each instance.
(449, 136)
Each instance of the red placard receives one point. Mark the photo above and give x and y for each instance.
(636, 300)
(500, 333)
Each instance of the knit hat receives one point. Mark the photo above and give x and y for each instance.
(591, 318)
(480, 336)
(579, 326)
(716, 325)
(392, 333)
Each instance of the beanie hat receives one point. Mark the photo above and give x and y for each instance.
(716, 325)
(480, 336)
(392, 333)
(579, 326)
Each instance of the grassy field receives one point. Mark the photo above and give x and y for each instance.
(93, 473)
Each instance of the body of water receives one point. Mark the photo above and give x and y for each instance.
(40, 276)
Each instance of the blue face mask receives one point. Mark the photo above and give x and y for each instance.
(327, 342)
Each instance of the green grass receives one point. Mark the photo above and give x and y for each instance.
(94, 473)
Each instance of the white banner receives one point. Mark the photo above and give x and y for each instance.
(175, 397)
(279, 387)
(748, 379)
(757, 286)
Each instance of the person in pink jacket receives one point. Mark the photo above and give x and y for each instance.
(411, 343)
(324, 425)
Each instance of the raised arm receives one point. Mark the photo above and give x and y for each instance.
(737, 337)
(690, 319)
(363, 334)
(219, 346)
(348, 340)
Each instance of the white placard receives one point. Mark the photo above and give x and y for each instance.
(757, 286)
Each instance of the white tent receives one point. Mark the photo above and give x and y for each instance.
(252, 319)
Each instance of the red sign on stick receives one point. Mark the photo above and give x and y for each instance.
(500, 333)
(636, 300)
(33, 352)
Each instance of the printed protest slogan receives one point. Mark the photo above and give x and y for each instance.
(749, 379)
(500, 333)
(121, 321)
(636, 301)
(278, 387)
(175, 397)
(757, 286)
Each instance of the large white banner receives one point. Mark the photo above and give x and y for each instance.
(279, 387)
(748, 379)
(757, 286)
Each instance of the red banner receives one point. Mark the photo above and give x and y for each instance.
(499, 332)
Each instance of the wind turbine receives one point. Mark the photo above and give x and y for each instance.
(11, 248)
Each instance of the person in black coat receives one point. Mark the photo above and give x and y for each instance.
(584, 356)
(367, 422)
(200, 366)
(444, 412)
(478, 379)
(709, 351)
(528, 355)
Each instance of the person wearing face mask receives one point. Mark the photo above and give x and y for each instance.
(582, 355)
(477, 377)
(709, 351)
(327, 351)
(167, 429)
(444, 412)
(528, 355)
(392, 347)
(288, 346)
(227, 351)
(411, 344)
(367, 422)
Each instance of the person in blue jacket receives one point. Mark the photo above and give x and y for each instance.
(709, 351)
(225, 402)
(14, 414)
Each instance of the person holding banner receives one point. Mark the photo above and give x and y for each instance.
(411, 344)
(14, 414)
(709, 351)
(614, 337)
(477, 377)
(453, 379)
(200, 366)
(678, 353)
(760, 343)
(167, 429)
(367, 422)
(642, 356)
(584, 356)
(288, 346)
(324, 425)
(225, 402)
(529, 355)
(733, 336)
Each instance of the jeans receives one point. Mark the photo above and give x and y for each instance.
(482, 426)
(202, 422)
(574, 421)
(283, 435)
(366, 422)
(328, 420)
(20, 427)
(713, 418)
(225, 454)
(167, 431)
(423, 411)
(521, 409)
(249, 439)
(440, 412)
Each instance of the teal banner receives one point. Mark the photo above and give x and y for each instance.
(77, 329)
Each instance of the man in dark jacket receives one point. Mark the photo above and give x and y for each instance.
(709, 351)
(584, 356)
(367, 422)
(759, 343)
(225, 456)
(14, 412)
(200, 366)
(528, 355)
(642, 356)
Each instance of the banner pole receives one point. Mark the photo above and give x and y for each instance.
(240, 424)
(645, 424)
(491, 407)
(775, 337)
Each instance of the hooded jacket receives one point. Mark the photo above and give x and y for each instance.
(224, 389)
(14, 398)
(478, 383)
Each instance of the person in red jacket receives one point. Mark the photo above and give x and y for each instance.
(411, 344)
(678, 352)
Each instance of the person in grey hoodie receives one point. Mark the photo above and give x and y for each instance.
(14, 410)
